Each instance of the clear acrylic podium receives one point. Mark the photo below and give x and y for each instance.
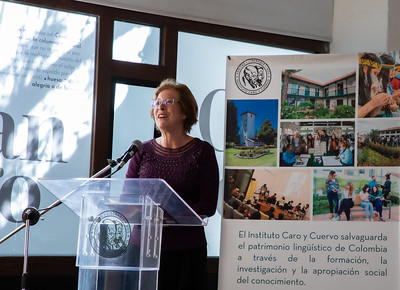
(120, 228)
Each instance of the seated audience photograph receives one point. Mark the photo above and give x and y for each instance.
(267, 194)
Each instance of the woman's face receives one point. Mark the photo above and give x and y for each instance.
(169, 117)
(373, 71)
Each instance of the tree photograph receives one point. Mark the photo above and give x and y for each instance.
(251, 132)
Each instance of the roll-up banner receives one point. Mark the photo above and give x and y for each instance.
(311, 172)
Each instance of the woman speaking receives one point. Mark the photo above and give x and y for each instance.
(189, 166)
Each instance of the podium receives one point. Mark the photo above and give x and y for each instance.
(120, 230)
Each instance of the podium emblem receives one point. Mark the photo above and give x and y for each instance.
(109, 234)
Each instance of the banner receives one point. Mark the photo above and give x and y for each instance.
(46, 80)
(312, 155)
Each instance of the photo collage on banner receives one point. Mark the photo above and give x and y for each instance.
(311, 172)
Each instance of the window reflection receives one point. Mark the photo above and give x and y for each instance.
(136, 43)
(132, 120)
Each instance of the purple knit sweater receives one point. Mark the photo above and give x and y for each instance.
(192, 171)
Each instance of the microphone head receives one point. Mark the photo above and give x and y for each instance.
(137, 144)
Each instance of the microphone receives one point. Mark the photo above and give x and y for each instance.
(135, 146)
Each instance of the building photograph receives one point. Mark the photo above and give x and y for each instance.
(378, 142)
(318, 94)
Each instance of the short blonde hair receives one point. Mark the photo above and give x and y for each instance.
(187, 101)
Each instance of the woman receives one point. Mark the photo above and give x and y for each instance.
(189, 166)
(296, 144)
(288, 157)
(387, 186)
(333, 145)
(284, 142)
(385, 75)
(346, 155)
(346, 203)
(332, 189)
(310, 141)
(366, 204)
(370, 98)
(263, 189)
(395, 82)
(376, 198)
(317, 139)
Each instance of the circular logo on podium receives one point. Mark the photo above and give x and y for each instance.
(253, 76)
(109, 234)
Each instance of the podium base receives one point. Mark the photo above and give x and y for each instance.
(95, 279)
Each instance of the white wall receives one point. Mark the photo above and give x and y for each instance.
(351, 26)
(394, 25)
(359, 25)
(365, 25)
(303, 18)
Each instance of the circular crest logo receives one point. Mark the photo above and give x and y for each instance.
(253, 76)
(109, 234)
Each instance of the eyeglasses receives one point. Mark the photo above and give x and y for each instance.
(166, 102)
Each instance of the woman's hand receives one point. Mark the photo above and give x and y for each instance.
(380, 100)
(393, 105)
(374, 106)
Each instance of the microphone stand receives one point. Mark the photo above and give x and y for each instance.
(31, 216)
